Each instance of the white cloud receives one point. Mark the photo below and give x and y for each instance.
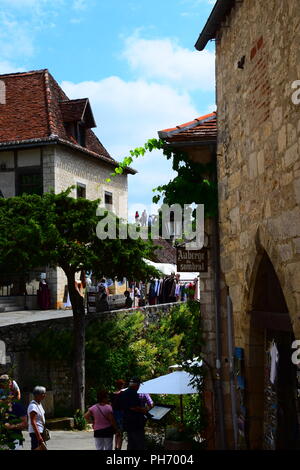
(166, 61)
(15, 38)
(197, 3)
(7, 67)
(129, 113)
(79, 4)
(20, 22)
(36, 5)
(195, 7)
(20, 3)
(133, 111)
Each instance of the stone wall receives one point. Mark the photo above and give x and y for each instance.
(203, 155)
(30, 370)
(258, 155)
(63, 168)
(73, 167)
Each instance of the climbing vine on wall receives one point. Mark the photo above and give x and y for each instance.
(194, 182)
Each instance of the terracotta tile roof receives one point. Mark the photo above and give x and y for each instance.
(200, 129)
(165, 252)
(73, 110)
(35, 111)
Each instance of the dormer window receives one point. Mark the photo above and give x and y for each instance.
(78, 118)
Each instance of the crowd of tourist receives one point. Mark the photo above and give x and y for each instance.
(124, 410)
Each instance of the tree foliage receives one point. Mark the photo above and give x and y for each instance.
(194, 182)
(128, 345)
(60, 231)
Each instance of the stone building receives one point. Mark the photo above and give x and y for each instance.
(257, 61)
(47, 143)
(198, 139)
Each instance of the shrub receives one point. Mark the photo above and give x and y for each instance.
(127, 345)
(79, 421)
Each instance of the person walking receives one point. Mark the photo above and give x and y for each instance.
(133, 416)
(144, 218)
(104, 424)
(14, 388)
(36, 419)
(117, 412)
(137, 296)
(102, 304)
(128, 299)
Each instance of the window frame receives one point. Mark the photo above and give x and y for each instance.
(28, 171)
(80, 186)
(108, 205)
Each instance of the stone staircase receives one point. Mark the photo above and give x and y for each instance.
(8, 304)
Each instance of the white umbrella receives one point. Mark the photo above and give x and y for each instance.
(175, 383)
(189, 363)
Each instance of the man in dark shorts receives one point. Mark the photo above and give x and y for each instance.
(133, 416)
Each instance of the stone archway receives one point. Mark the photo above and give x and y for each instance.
(271, 407)
(265, 243)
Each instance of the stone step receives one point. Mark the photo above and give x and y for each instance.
(60, 424)
(11, 308)
(7, 300)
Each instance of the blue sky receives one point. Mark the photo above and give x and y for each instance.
(134, 59)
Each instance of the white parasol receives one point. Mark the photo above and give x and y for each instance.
(175, 383)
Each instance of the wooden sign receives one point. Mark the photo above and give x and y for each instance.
(192, 261)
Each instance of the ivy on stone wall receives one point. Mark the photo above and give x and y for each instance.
(194, 182)
(129, 344)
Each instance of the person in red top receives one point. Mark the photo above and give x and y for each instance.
(104, 424)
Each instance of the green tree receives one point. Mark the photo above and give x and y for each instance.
(60, 231)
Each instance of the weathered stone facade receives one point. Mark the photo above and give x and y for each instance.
(197, 139)
(258, 168)
(62, 167)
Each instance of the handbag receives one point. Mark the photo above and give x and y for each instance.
(105, 432)
(46, 435)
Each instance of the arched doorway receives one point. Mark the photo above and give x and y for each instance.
(272, 400)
